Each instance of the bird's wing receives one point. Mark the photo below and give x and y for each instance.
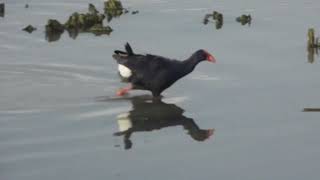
(150, 64)
(151, 71)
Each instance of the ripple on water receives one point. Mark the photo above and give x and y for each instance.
(203, 77)
(27, 86)
(55, 70)
(104, 112)
(11, 47)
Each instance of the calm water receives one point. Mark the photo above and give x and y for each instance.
(59, 118)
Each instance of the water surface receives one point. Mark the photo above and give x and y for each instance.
(59, 118)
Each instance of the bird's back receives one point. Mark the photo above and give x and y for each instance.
(150, 72)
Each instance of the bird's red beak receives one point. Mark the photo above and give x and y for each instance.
(210, 58)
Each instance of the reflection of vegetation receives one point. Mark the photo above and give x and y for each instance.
(216, 17)
(244, 19)
(2, 9)
(73, 33)
(50, 36)
(311, 54)
(313, 45)
(29, 29)
(98, 30)
(150, 114)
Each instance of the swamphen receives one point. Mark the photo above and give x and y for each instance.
(152, 72)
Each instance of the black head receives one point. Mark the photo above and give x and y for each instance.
(202, 55)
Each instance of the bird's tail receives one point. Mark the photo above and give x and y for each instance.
(120, 55)
(129, 49)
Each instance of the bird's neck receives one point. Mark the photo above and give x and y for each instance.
(189, 65)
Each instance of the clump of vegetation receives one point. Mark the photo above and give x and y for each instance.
(313, 45)
(54, 26)
(244, 19)
(88, 22)
(91, 22)
(2, 9)
(113, 8)
(216, 17)
(54, 29)
(29, 29)
(313, 42)
(83, 22)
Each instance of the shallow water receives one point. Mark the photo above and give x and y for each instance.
(59, 117)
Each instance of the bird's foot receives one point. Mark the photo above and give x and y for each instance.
(124, 91)
(210, 132)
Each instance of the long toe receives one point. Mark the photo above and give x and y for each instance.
(121, 92)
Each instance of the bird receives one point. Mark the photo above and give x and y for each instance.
(152, 72)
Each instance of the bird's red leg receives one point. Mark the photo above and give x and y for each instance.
(124, 90)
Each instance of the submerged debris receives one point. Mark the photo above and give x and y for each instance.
(135, 12)
(313, 45)
(216, 16)
(311, 110)
(26, 6)
(2, 9)
(244, 19)
(125, 11)
(29, 29)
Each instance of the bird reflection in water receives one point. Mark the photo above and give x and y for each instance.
(150, 114)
